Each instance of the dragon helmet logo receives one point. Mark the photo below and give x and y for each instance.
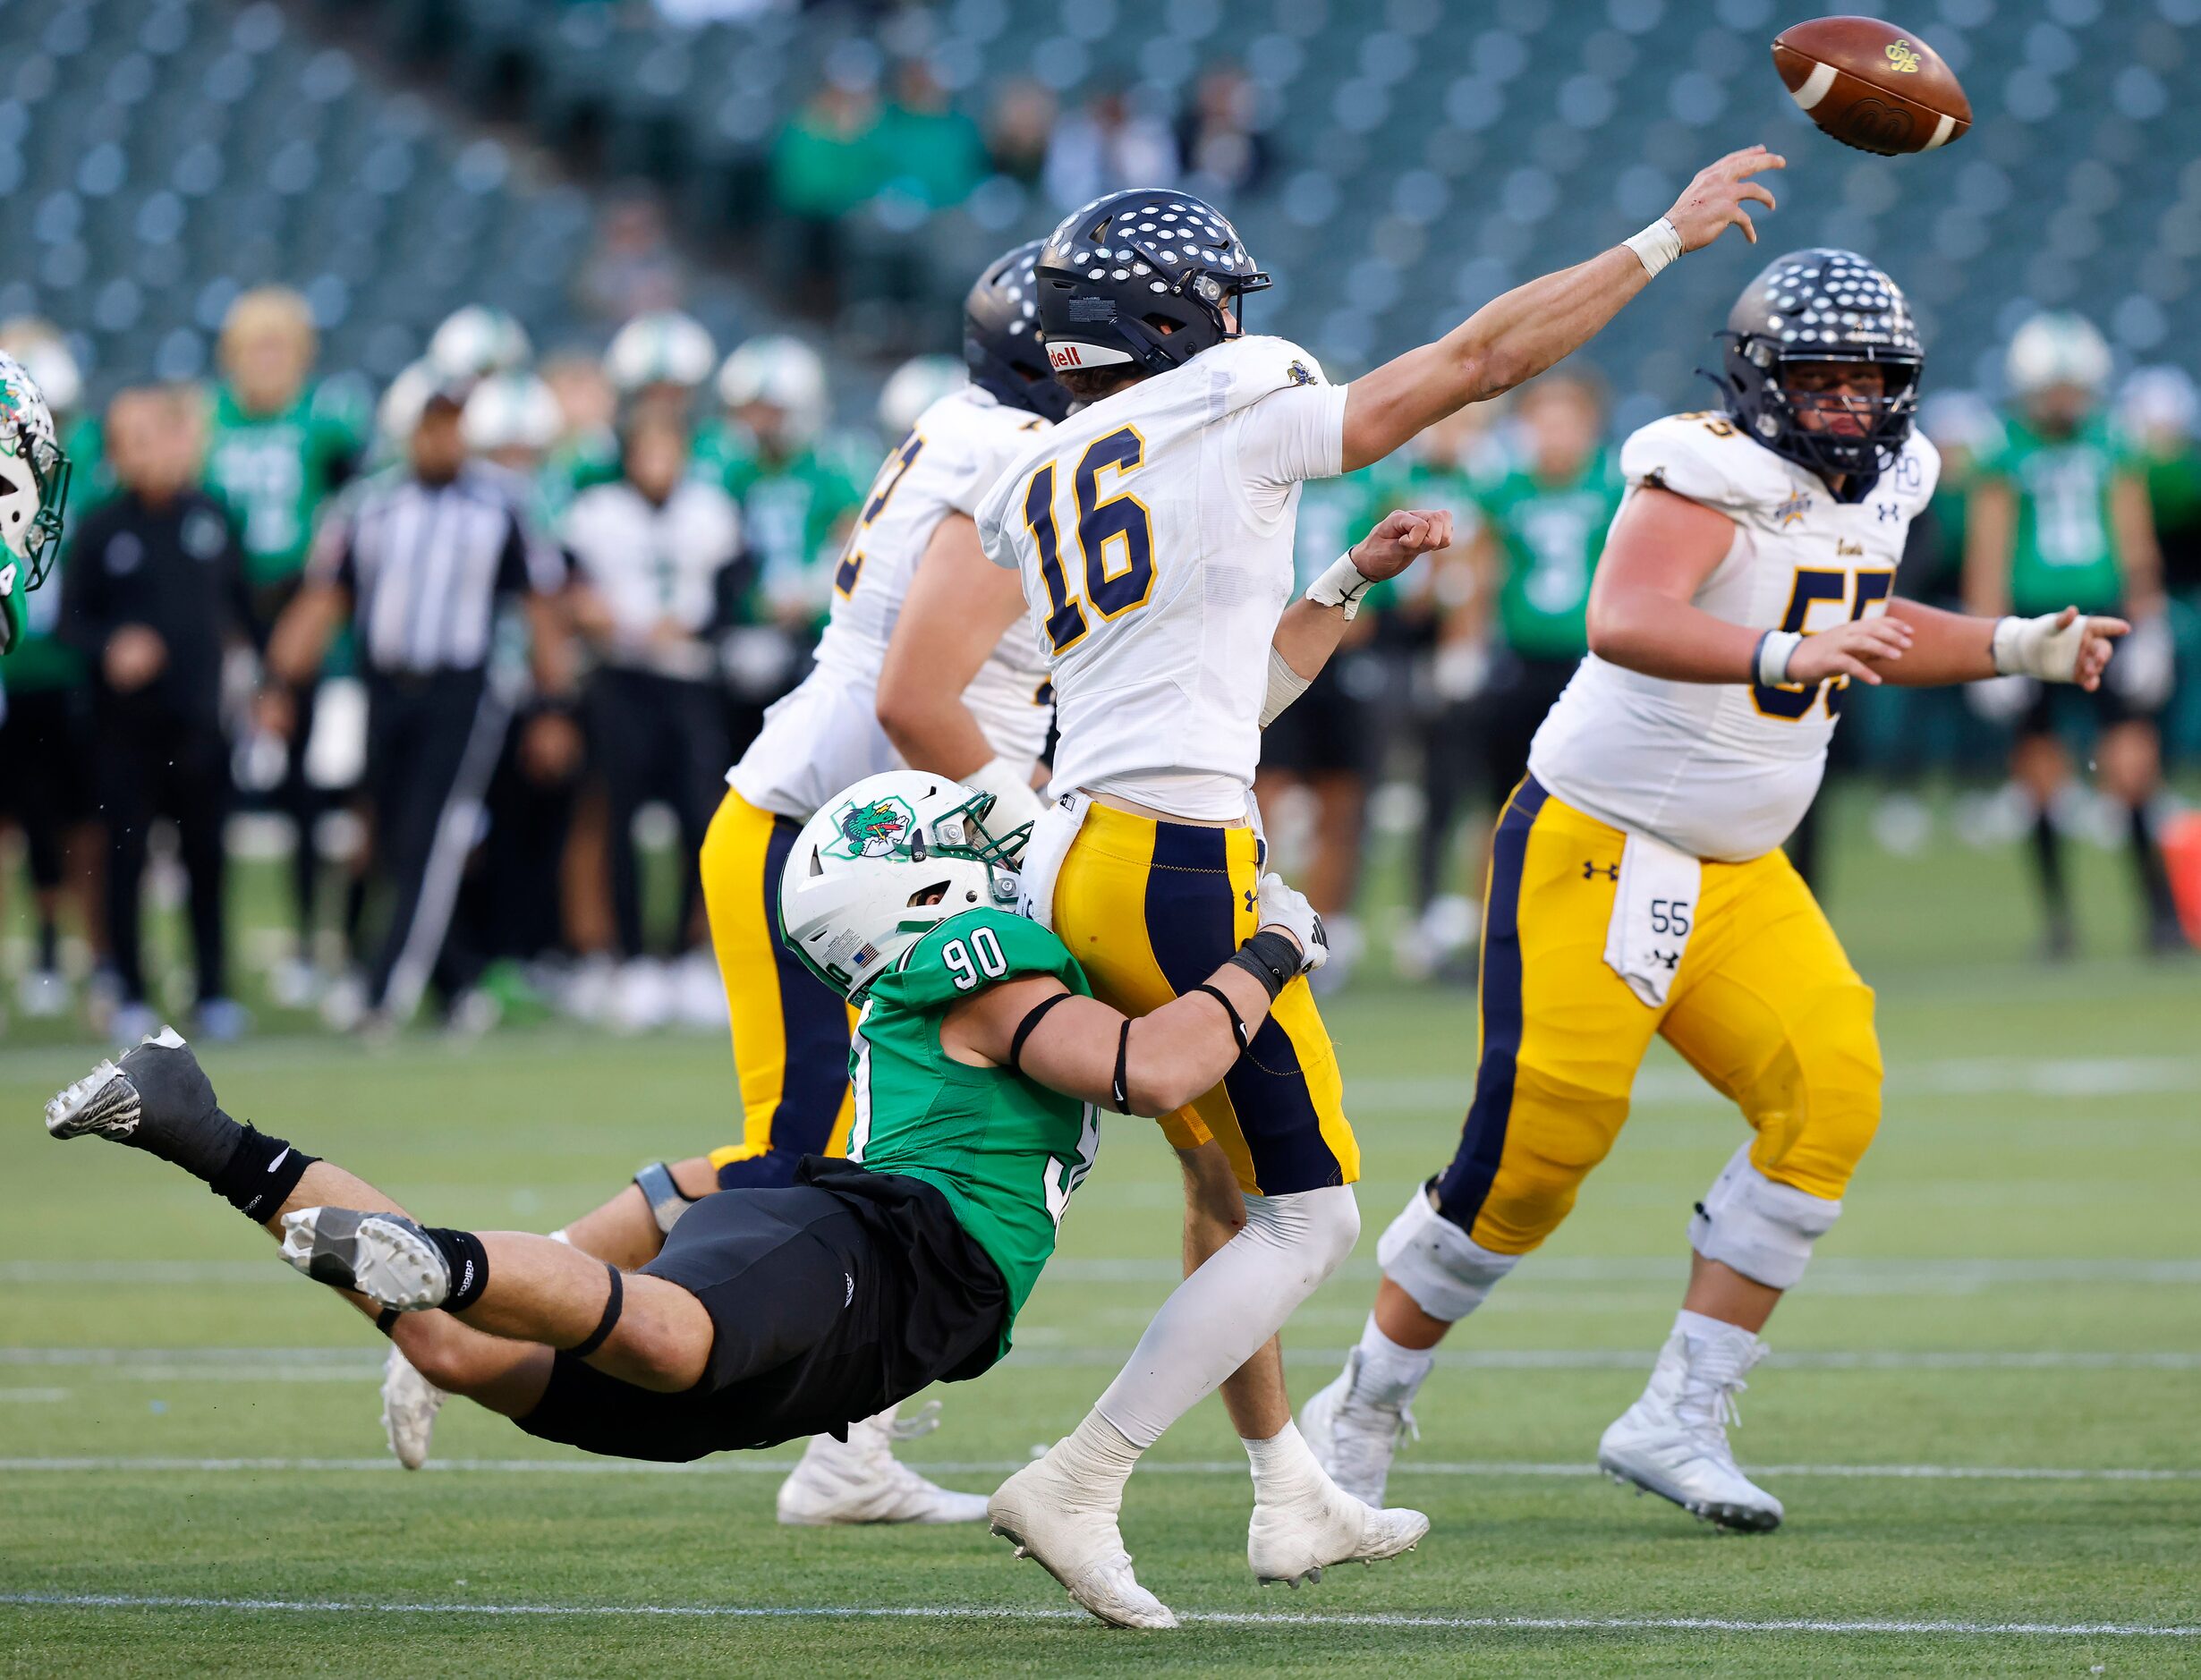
(877, 829)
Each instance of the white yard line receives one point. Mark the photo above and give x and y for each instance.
(1221, 1618)
(1834, 1275)
(744, 1465)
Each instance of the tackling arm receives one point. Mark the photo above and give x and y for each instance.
(1519, 333)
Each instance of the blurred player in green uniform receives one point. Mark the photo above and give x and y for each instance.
(2058, 517)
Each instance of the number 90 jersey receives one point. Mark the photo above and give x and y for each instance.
(1153, 530)
(1726, 771)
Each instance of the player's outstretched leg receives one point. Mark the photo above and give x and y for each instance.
(861, 1481)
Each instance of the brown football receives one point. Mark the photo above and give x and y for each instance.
(1871, 85)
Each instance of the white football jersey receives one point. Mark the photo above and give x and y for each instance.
(826, 734)
(650, 564)
(1153, 532)
(1727, 770)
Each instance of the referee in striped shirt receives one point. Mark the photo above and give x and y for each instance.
(421, 557)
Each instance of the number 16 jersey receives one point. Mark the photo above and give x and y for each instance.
(1153, 530)
(1725, 771)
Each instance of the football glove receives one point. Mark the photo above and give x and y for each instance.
(1285, 907)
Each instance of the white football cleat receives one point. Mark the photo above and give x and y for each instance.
(382, 1256)
(1673, 1440)
(1069, 1530)
(1356, 1439)
(861, 1481)
(1295, 1541)
(410, 1402)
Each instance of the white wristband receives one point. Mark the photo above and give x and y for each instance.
(1013, 801)
(1776, 648)
(1656, 246)
(2036, 647)
(1342, 585)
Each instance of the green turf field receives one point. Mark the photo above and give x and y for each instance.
(1980, 1408)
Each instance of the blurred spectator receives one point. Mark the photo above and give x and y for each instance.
(652, 550)
(46, 758)
(1224, 153)
(584, 452)
(2058, 517)
(154, 591)
(1019, 128)
(826, 162)
(276, 446)
(421, 557)
(1105, 145)
(928, 148)
(633, 266)
(2160, 412)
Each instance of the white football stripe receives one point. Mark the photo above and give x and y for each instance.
(1815, 86)
(1943, 130)
(1221, 1618)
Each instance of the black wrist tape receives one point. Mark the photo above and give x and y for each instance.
(469, 1261)
(1271, 957)
(386, 1319)
(260, 1175)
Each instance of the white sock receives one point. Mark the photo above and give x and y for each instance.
(1283, 1466)
(1216, 1320)
(1389, 1374)
(1098, 1456)
(1718, 1332)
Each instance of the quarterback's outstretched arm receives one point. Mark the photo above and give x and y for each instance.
(1516, 335)
(959, 608)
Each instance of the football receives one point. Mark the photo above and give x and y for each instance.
(1871, 85)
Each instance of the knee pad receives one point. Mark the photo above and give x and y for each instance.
(1764, 1230)
(1316, 1227)
(1446, 1271)
(668, 1201)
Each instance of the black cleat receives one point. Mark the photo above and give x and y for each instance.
(156, 1099)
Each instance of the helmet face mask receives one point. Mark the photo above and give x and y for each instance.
(34, 479)
(1147, 277)
(885, 862)
(1821, 306)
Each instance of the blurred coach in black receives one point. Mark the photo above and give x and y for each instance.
(422, 556)
(153, 592)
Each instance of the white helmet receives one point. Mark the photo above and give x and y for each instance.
(884, 862)
(661, 347)
(399, 411)
(477, 340)
(38, 345)
(511, 411)
(784, 372)
(2161, 400)
(915, 387)
(34, 489)
(2057, 348)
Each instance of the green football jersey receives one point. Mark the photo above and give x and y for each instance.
(1548, 536)
(274, 471)
(2065, 552)
(791, 510)
(1005, 1151)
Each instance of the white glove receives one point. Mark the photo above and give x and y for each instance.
(1285, 907)
(2144, 664)
(2036, 647)
(1015, 804)
(2000, 699)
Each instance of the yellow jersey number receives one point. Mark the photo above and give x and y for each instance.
(1115, 540)
(889, 479)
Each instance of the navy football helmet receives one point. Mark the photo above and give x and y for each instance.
(1001, 336)
(1821, 306)
(1141, 277)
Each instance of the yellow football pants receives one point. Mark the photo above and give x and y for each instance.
(791, 1030)
(1152, 908)
(1764, 1005)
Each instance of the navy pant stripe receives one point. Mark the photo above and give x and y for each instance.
(1466, 1184)
(1191, 927)
(813, 1023)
